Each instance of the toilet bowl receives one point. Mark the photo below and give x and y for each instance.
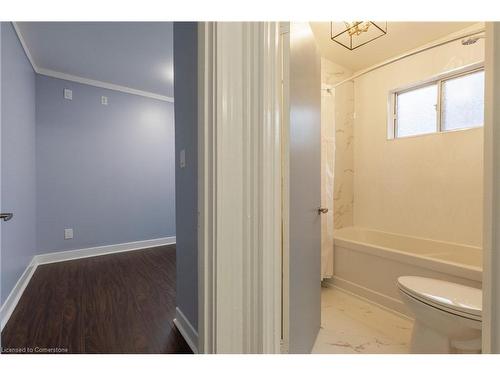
(447, 315)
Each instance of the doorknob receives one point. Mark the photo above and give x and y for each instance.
(322, 210)
(6, 216)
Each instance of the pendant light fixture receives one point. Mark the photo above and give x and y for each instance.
(352, 35)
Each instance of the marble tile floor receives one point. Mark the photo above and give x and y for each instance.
(352, 325)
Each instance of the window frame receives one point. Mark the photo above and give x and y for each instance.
(438, 80)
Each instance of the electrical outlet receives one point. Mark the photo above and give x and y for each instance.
(104, 100)
(68, 94)
(68, 233)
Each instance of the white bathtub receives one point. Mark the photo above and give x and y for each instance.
(368, 263)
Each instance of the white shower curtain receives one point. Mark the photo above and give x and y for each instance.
(327, 174)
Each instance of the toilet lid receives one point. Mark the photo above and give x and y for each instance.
(455, 297)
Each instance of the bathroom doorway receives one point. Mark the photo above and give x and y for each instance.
(393, 188)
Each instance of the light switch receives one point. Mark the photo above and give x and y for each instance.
(104, 100)
(182, 159)
(68, 233)
(68, 94)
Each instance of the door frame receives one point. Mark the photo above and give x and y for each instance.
(491, 199)
(239, 135)
(208, 178)
(206, 270)
(285, 183)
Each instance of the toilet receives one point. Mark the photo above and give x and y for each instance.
(447, 315)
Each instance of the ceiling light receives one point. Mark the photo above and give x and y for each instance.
(352, 35)
(167, 71)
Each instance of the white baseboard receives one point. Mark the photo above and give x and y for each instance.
(62, 256)
(11, 302)
(187, 330)
(15, 294)
(381, 300)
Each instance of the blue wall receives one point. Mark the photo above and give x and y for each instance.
(18, 159)
(105, 171)
(186, 130)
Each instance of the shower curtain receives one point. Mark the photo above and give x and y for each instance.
(327, 174)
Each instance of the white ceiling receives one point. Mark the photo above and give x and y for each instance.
(138, 55)
(401, 37)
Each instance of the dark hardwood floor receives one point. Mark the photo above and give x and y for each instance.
(118, 303)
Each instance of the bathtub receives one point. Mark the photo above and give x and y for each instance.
(368, 262)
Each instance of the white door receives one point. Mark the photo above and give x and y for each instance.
(304, 256)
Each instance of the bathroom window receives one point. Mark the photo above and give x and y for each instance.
(416, 111)
(463, 102)
(449, 102)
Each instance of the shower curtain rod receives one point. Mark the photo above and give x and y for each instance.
(411, 53)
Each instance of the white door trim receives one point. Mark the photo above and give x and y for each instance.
(270, 164)
(206, 222)
(491, 205)
(240, 188)
(285, 183)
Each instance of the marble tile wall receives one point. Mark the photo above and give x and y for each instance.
(343, 192)
(339, 111)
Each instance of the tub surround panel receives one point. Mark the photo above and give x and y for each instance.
(343, 194)
(337, 110)
(426, 186)
(338, 210)
(333, 73)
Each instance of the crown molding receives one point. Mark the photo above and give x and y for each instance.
(83, 80)
(101, 84)
(25, 46)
